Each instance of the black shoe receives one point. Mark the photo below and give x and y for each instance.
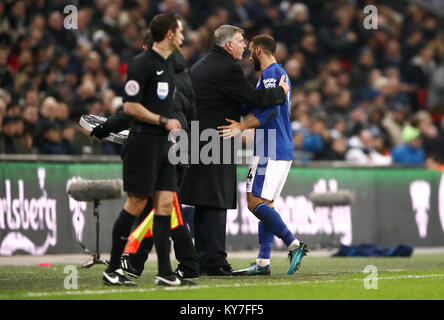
(218, 271)
(116, 278)
(128, 268)
(227, 267)
(186, 275)
(202, 270)
(172, 281)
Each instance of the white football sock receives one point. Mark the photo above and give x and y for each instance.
(293, 245)
(262, 262)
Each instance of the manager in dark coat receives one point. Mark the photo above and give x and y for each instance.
(220, 88)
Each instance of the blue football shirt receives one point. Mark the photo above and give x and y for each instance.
(273, 138)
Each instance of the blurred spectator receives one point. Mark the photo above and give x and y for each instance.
(310, 135)
(296, 25)
(281, 54)
(9, 134)
(394, 121)
(319, 128)
(433, 163)
(47, 111)
(392, 55)
(338, 127)
(337, 36)
(314, 102)
(360, 72)
(6, 79)
(362, 150)
(432, 141)
(240, 15)
(293, 69)
(418, 75)
(30, 118)
(339, 70)
(52, 141)
(341, 104)
(411, 151)
(375, 117)
(435, 96)
(310, 49)
(357, 122)
(85, 95)
(337, 150)
(63, 38)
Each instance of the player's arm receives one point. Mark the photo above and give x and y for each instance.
(262, 117)
(240, 90)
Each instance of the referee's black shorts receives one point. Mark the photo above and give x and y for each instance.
(146, 168)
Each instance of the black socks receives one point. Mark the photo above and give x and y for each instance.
(121, 231)
(161, 238)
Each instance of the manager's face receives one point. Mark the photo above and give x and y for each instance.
(237, 46)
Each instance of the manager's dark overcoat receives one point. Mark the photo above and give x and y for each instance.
(220, 89)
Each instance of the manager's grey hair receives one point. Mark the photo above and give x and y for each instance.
(224, 33)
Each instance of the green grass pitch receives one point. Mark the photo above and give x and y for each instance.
(417, 277)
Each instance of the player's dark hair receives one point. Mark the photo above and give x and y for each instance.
(161, 23)
(148, 38)
(266, 42)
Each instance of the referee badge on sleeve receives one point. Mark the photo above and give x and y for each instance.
(162, 90)
(132, 88)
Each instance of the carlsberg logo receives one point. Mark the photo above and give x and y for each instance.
(22, 215)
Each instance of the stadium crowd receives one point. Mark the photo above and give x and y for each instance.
(369, 96)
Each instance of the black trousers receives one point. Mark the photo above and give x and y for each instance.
(209, 237)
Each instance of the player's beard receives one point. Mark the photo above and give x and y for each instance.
(257, 63)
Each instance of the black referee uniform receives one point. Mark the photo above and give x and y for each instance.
(150, 82)
(185, 113)
(146, 169)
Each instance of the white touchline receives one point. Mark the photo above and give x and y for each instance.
(235, 285)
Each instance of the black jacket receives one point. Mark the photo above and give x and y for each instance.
(221, 88)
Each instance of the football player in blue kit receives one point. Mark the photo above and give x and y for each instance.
(273, 155)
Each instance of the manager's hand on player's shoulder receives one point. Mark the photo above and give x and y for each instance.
(172, 124)
(284, 84)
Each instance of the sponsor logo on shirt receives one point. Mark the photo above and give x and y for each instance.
(162, 90)
(269, 83)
